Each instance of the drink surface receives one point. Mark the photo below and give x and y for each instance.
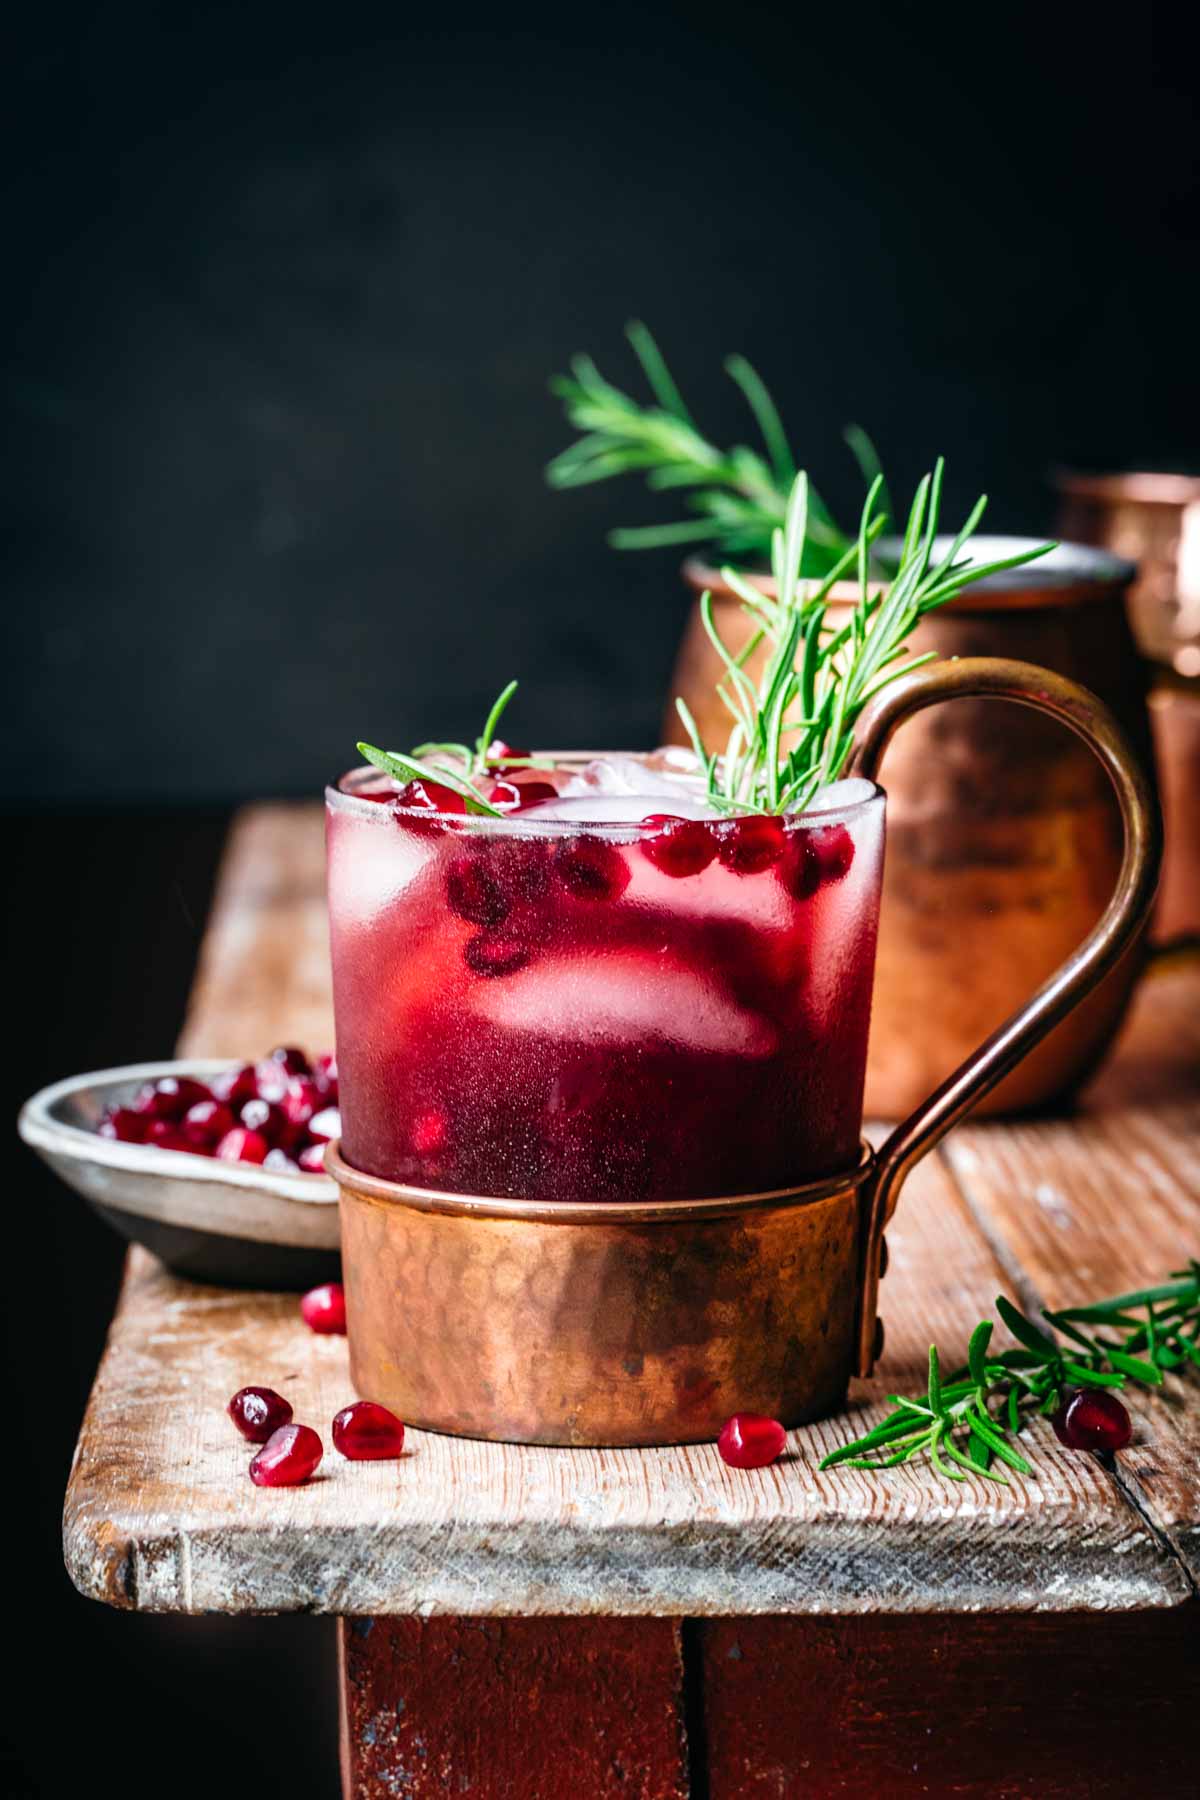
(561, 1005)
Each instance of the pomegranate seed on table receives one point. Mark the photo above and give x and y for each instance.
(325, 1075)
(164, 1134)
(266, 1117)
(258, 1412)
(323, 1309)
(678, 847)
(473, 892)
(271, 1081)
(289, 1456)
(591, 869)
(240, 1145)
(290, 1060)
(302, 1100)
(312, 1159)
(206, 1123)
(367, 1432)
(748, 845)
(1092, 1419)
(125, 1125)
(280, 1163)
(749, 1441)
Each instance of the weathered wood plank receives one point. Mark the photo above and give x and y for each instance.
(518, 1708)
(160, 1513)
(1109, 1200)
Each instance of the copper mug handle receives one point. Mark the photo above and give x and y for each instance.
(1100, 951)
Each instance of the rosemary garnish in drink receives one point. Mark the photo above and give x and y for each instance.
(458, 766)
(965, 1421)
(793, 732)
(739, 495)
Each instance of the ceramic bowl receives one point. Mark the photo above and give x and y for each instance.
(231, 1223)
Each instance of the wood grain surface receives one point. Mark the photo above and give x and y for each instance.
(161, 1516)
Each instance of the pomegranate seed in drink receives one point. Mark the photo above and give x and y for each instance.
(428, 796)
(289, 1456)
(125, 1125)
(323, 1309)
(259, 1411)
(1092, 1419)
(494, 953)
(429, 1133)
(367, 1432)
(679, 847)
(500, 752)
(206, 1123)
(312, 1159)
(816, 858)
(749, 1441)
(240, 1145)
(235, 1086)
(473, 892)
(591, 869)
(517, 795)
(751, 844)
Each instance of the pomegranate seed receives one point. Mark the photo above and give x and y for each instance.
(494, 953)
(366, 1432)
(499, 751)
(302, 1100)
(429, 1133)
(235, 1086)
(206, 1123)
(521, 868)
(473, 893)
(291, 1059)
(749, 845)
(164, 1134)
(240, 1145)
(1092, 1419)
(817, 857)
(289, 1456)
(591, 868)
(677, 847)
(323, 1309)
(170, 1097)
(125, 1125)
(504, 794)
(259, 1411)
(531, 793)
(326, 1125)
(271, 1081)
(429, 796)
(748, 1441)
(325, 1075)
(312, 1159)
(280, 1162)
(266, 1117)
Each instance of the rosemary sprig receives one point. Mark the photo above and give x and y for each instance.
(457, 765)
(793, 732)
(739, 495)
(964, 1422)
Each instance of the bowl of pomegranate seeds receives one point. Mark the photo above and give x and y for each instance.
(217, 1167)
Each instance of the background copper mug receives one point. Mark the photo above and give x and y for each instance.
(650, 1322)
(1004, 839)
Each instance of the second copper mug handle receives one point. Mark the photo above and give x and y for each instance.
(1100, 951)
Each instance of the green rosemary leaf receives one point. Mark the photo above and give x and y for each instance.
(936, 1440)
(1087, 1376)
(975, 1463)
(766, 417)
(997, 1443)
(487, 735)
(1062, 1322)
(1146, 1372)
(935, 1381)
(1013, 1407)
(869, 466)
(1024, 1330)
(656, 371)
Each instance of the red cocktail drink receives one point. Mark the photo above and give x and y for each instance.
(568, 1004)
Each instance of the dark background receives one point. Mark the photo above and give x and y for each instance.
(283, 291)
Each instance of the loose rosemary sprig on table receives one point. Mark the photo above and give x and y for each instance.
(793, 732)
(970, 1418)
(739, 495)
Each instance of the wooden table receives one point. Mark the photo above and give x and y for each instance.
(527, 1622)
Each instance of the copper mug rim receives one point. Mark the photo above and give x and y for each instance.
(598, 1212)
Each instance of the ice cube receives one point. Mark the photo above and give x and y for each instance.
(620, 808)
(839, 795)
(625, 789)
(624, 997)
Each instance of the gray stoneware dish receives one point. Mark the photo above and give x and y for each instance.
(230, 1223)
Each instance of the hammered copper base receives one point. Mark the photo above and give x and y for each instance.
(601, 1325)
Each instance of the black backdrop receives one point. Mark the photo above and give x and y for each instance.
(283, 290)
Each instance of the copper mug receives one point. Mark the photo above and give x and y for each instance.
(649, 1322)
